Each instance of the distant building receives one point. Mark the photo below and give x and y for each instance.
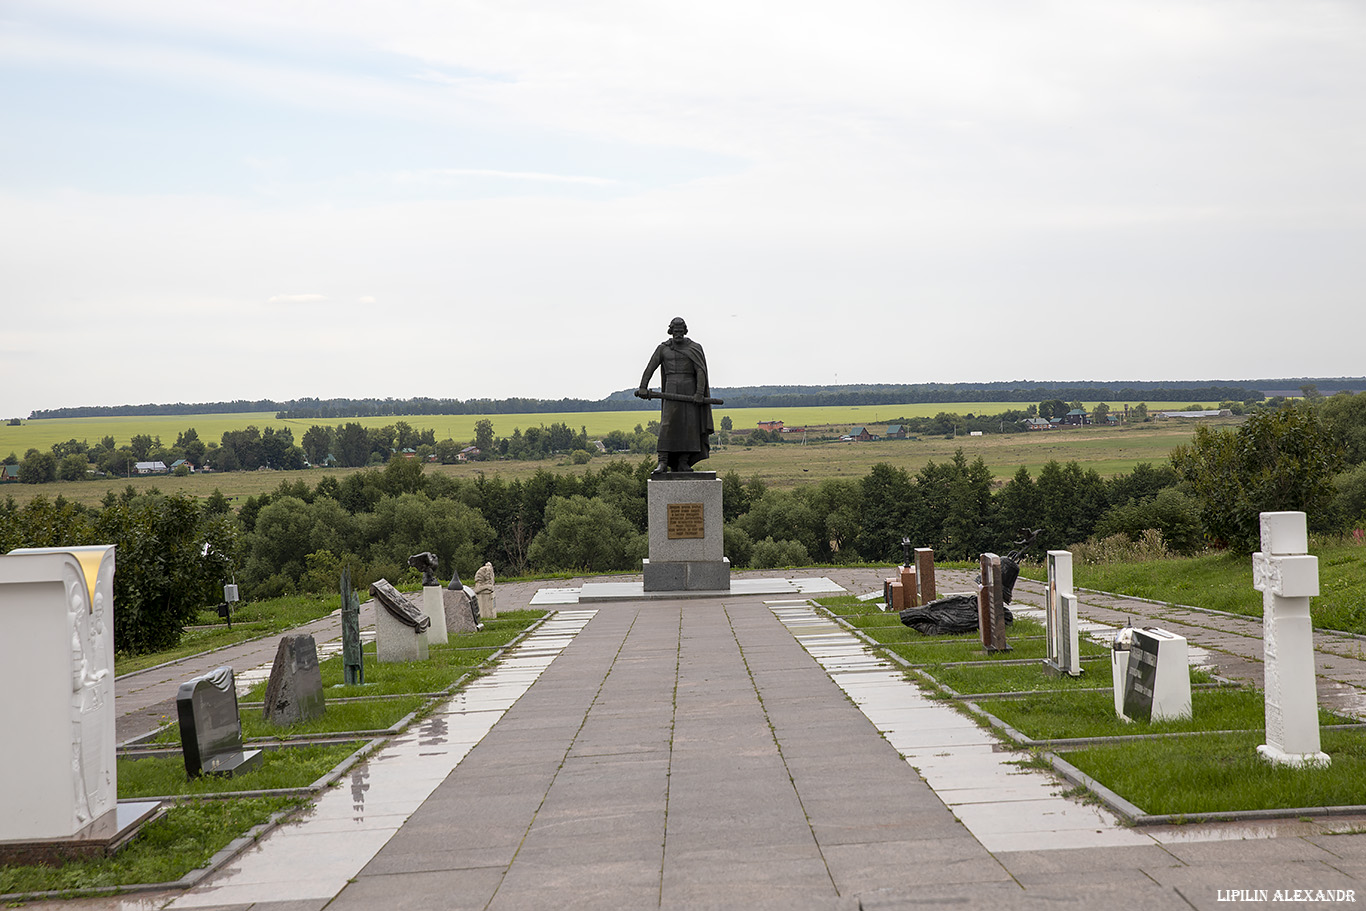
(770, 426)
(1077, 416)
(896, 431)
(9, 472)
(178, 462)
(149, 467)
(1037, 424)
(859, 434)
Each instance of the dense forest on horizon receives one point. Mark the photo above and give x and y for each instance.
(746, 397)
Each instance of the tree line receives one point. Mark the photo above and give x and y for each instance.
(175, 551)
(735, 396)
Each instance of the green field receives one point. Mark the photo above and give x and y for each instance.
(211, 427)
(1109, 450)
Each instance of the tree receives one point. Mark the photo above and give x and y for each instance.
(1345, 415)
(586, 535)
(892, 508)
(1139, 413)
(73, 467)
(726, 423)
(141, 445)
(483, 436)
(317, 444)
(352, 445)
(38, 468)
(1053, 408)
(172, 561)
(1100, 413)
(1277, 460)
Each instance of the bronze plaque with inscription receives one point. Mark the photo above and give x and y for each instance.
(685, 521)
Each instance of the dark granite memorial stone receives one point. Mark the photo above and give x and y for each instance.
(210, 728)
(295, 690)
(399, 607)
(991, 601)
(1140, 677)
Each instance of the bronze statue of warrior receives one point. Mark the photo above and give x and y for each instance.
(685, 423)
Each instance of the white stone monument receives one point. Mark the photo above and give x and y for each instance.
(1287, 576)
(687, 546)
(1060, 610)
(483, 590)
(57, 771)
(1157, 678)
(434, 606)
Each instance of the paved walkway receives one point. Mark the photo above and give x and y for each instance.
(695, 755)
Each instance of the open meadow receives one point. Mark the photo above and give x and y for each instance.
(42, 434)
(1109, 450)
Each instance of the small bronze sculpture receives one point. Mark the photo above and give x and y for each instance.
(685, 422)
(426, 562)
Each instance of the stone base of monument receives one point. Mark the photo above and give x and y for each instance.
(396, 641)
(434, 606)
(687, 545)
(1276, 756)
(101, 838)
(687, 575)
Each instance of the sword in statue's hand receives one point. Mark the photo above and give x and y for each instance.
(697, 399)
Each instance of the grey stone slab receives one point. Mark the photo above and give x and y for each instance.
(1025, 863)
(440, 856)
(1244, 851)
(1193, 881)
(891, 864)
(452, 890)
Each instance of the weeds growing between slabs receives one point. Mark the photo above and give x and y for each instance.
(1209, 765)
(194, 830)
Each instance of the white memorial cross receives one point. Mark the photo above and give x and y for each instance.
(1061, 614)
(1287, 576)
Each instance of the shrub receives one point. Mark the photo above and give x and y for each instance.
(770, 554)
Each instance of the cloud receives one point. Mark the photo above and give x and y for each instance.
(456, 173)
(298, 298)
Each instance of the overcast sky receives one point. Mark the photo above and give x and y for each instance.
(262, 199)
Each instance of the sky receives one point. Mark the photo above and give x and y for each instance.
(253, 199)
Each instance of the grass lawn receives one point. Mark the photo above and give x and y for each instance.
(287, 767)
(1016, 678)
(338, 718)
(1092, 714)
(164, 851)
(1223, 582)
(1222, 772)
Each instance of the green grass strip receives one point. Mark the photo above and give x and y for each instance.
(1092, 714)
(337, 718)
(163, 851)
(286, 767)
(1222, 772)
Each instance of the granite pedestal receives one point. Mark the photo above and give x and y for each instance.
(687, 545)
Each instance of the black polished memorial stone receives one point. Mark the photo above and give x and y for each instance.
(210, 728)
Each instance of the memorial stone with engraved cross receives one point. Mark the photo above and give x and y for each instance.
(1287, 576)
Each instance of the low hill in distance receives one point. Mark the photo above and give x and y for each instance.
(754, 397)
